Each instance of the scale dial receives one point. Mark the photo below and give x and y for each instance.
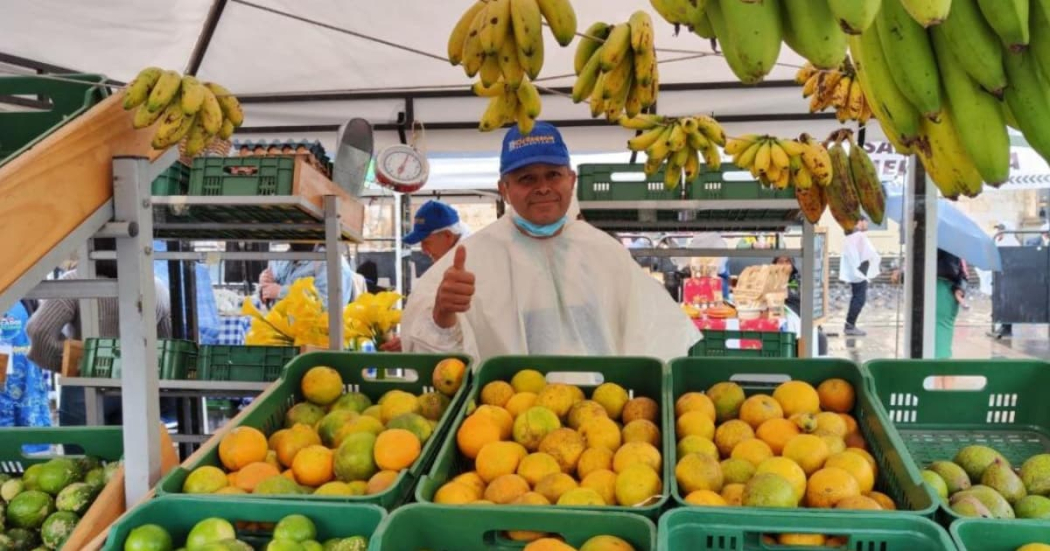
(402, 168)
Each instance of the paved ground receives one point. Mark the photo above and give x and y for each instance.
(883, 319)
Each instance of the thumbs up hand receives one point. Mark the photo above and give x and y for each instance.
(455, 292)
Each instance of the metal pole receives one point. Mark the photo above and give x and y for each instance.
(920, 299)
(808, 292)
(335, 272)
(138, 327)
(88, 307)
(398, 244)
(929, 279)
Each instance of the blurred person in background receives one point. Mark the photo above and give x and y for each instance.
(951, 292)
(436, 229)
(23, 396)
(858, 266)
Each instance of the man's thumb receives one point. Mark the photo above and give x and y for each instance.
(459, 262)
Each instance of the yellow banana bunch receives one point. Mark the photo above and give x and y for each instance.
(839, 88)
(509, 105)
(616, 68)
(779, 163)
(186, 108)
(679, 141)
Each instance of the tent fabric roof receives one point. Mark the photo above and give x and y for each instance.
(254, 51)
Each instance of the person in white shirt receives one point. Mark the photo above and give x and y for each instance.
(539, 281)
(859, 265)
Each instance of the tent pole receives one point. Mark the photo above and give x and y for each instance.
(920, 268)
(204, 39)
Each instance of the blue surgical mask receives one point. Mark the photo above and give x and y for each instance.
(537, 230)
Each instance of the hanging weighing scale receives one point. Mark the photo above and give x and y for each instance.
(403, 167)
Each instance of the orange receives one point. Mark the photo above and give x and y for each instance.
(519, 403)
(321, 385)
(834, 443)
(380, 482)
(810, 452)
(602, 432)
(636, 452)
(636, 485)
(807, 422)
(831, 423)
(851, 423)
(836, 395)
(231, 479)
(254, 473)
(205, 480)
(313, 466)
(502, 418)
(531, 427)
(733, 494)
(583, 412)
(585, 497)
(474, 433)
(241, 446)
(602, 481)
(829, 486)
(817, 540)
(862, 503)
(731, 433)
(698, 472)
(528, 380)
(797, 397)
(472, 480)
(867, 457)
(706, 497)
(454, 493)
(559, 398)
(506, 488)
(695, 401)
(289, 474)
(697, 444)
(694, 423)
(594, 459)
(776, 433)
(396, 449)
(275, 438)
(856, 466)
(499, 458)
(641, 430)
(753, 451)
(883, 500)
(548, 544)
(531, 498)
(727, 397)
(856, 440)
(554, 485)
(641, 408)
(564, 445)
(448, 376)
(612, 397)
(397, 403)
(496, 393)
(788, 470)
(760, 408)
(297, 438)
(535, 466)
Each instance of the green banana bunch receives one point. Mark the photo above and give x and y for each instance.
(181, 104)
(976, 47)
(897, 116)
(914, 67)
(842, 196)
(855, 16)
(750, 35)
(811, 30)
(677, 142)
(616, 68)
(865, 179)
(1009, 18)
(946, 160)
(928, 12)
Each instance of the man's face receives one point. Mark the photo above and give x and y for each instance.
(437, 244)
(540, 193)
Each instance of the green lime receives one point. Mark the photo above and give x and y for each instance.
(296, 528)
(148, 537)
(210, 530)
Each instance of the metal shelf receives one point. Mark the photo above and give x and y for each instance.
(242, 218)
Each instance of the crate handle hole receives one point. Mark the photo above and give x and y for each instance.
(579, 378)
(389, 375)
(628, 177)
(240, 170)
(970, 383)
(41, 104)
(38, 451)
(760, 378)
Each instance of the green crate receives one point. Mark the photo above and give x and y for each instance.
(178, 515)
(176, 359)
(597, 182)
(774, 345)
(898, 476)
(1008, 413)
(19, 130)
(708, 529)
(267, 411)
(228, 176)
(450, 528)
(640, 376)
(106, 443)
(260, 364)
(173, 181)
(979, 534)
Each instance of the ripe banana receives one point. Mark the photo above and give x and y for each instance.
(946, 161)
(778, 157)
(914, 67)
(592, 40)
(855, 16)
(458, 39)
(143, 117)
(646, 139)
(197, 138)
(139, 89)
(897, 116)
(561, 18)
(619, 77)
(817, 160)
(164, 91)
(616, 47)
(529, 100)
(473, 55)
(1009, 18)
(227, 129)
(192, 95)
(811, 30)
(231, 106)
(928, 12)
(746, 158)
(983, 134)
(210, 113)
(633, 106)
(712, 156)
(1029, 100)
(490, 70)
(587, 79)
(170, 122)
(711, 129)
(496, 89)
(642, 122)
(866, 183)
(812, 200)
(641, 26)
(842, 197)
(494, 114)
(497, 26)
(597, 100)
(169, 138)
(661, 148)
(749, 34)
(509, 65)
(528, 27)
(736, 146)
(691, 168)
(976, 46)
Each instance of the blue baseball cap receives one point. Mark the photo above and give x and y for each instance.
(544, 145)
(431, 217)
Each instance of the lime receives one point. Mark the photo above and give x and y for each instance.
(148, 537)
(296, 528)
(284, 545)
(210, 530)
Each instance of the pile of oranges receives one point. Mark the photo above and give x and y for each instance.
(800, 446)
(333, 443)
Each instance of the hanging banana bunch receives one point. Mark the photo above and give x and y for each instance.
(678, 142)
(186, 108)
(838, 88)
(501, 41)
(616, 68)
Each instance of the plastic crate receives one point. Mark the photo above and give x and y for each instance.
(21, 129)
(228, 176)
(106, 443)
(441, 528)
(267, 411)
(173, 181)
(178, 515)
(640, 376)
(727, 530)
(728, 344)
(176, 359)
(243, 363)
(992, 535)
(1007, 413)
(898, 476)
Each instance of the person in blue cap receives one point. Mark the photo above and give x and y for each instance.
(540, 281)
(437, 229)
